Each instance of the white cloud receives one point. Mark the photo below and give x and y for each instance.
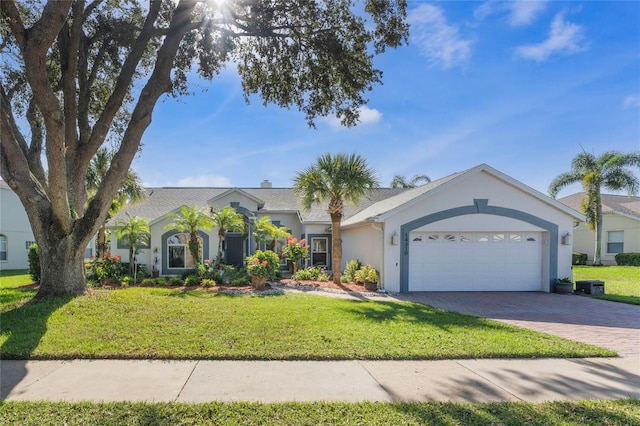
(204, 180)
(367, 116)
(564, 38)
(438, 41)
(632, 101)
(520, 13)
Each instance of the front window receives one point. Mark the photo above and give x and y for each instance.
(615, 242)
(178, 251)
(319, 251)
(3, 247)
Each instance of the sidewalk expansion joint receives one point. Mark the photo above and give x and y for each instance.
(186, 381)
(490, 381)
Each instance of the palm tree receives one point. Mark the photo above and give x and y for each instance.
(191, 220)
(135, 230)
(131, 191)
(265, 231)
(400, 181)
(335, 179)
(226, 220)
(609, 171)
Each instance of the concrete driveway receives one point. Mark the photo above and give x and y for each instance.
(602, 323)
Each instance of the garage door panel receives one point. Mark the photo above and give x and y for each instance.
(501, 261)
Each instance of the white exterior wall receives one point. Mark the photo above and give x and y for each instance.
(365, 244)
(479, 186)
(15, 226)
(584, 239)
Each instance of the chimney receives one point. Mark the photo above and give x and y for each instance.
(265, 184)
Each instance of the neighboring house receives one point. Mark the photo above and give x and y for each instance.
(15, 231)
(477, 230)
(620, 227)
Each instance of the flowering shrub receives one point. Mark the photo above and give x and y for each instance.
(107, 267)
(263, 264)
(295, 251)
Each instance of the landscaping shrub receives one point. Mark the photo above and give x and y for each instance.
(628, 259)
(366, 274)
(175, 282)
(34, 263)
(126, 281)
(240, 282)
(148, 282)
(304, 275)
(313, 273)
(350, 271)
(263, 264)
(206, 282)
(192, 280)
(579, 258)
(107, 267)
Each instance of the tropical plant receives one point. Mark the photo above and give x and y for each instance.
(400, 181)
(135, 231)
(609, 171)
(263, 264)
(336, 180)
(350, 271)
(190, 220)
(130, 191)
(265, 231)
(86, 74)
(226, 220)
(295, 252)
(366, 274)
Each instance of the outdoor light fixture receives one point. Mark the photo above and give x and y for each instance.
(566, 239)
(394, 239)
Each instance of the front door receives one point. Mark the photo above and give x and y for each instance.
(235, 250)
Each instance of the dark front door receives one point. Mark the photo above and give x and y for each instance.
(235, 250)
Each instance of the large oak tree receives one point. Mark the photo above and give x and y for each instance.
(77, 75)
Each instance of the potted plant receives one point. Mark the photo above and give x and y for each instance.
(261, 267)
(564, 285)
(368, 275)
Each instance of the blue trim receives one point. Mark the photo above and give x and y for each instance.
(164, 255)
(480, 206)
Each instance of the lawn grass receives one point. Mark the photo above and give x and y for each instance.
(154, 323)
(621, 283)
(10, 295)
(618, 412)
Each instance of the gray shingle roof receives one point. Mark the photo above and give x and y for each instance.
(161, 201)
(624, 204)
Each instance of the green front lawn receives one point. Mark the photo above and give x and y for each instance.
(582, 413)
(621, 283)
(168, 323)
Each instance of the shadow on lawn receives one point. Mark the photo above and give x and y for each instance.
(414, 313)
(23, 327)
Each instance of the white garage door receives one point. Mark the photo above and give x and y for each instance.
(475, 261)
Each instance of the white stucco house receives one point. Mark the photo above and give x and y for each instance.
(620, 227)
(15, 231)
(476, 230)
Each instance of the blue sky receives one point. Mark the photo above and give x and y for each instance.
(521, 86)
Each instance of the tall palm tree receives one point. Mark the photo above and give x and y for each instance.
(335, 179)
(226, 220)
(136, 231)
(191, 220)
(400, 181)
(131, 191)
(609, 171)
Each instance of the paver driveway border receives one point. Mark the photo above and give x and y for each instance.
(603, 323)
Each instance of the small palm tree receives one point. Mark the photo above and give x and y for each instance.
(131, 191)
(609, 171)
(335, 179)
(400, 181)
(191, 220)
(135, 230)
(226, 220)
(265, 231)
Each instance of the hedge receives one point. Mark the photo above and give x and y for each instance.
(579, 258)
(628, 259)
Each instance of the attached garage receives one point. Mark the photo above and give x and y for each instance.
(477, 230)
(475, 261)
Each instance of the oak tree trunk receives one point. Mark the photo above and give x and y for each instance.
(62, 268)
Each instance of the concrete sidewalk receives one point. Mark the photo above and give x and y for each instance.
(276, 381)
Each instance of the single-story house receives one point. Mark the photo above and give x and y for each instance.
(15, 231)
(620, 227)
(476, 230)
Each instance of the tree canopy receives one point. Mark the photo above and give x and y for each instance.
(77, 75)
(609, 171)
